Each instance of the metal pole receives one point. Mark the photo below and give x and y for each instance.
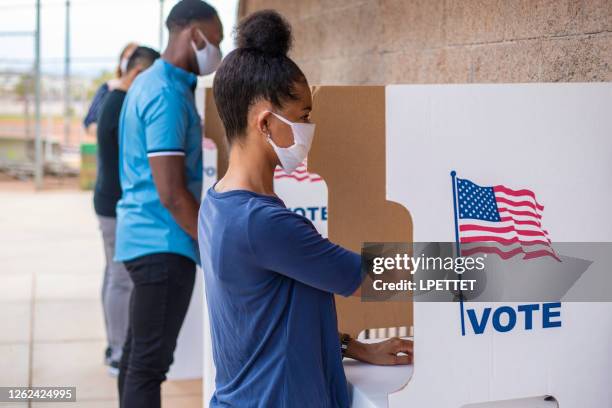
(161, 25)
(67, 100)
(38, 165)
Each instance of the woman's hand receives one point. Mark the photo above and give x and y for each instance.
(381, 353)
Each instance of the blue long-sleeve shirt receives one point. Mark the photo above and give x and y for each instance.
(270, 279)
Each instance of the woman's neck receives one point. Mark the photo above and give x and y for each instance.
(248, 169)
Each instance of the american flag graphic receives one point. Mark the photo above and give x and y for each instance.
(500, 220)
(300, 174)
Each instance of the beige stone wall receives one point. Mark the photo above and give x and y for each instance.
(448, 41)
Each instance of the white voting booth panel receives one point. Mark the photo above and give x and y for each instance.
(189, 353)
(187, 363)
(554, 139)
(304, 193)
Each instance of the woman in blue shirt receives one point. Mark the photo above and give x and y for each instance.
(270, 276)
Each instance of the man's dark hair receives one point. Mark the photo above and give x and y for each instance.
(187, 11)
(258, 69)
(142, 56)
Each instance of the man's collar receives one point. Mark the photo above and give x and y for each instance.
(189, 79)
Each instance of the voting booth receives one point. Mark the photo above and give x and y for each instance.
(380, 171)
(554, 140)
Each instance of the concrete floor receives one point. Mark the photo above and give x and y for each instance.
(51, 324)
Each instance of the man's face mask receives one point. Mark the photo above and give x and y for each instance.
(208, 57)
(291, 157)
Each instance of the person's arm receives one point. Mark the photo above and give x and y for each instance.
(94, 109)
(169, 177)
(289, 244)
(166, 122)
(386, 352)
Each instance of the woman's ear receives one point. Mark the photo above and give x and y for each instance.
(262, 122)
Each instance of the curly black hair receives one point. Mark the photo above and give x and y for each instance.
(186, 11)
(258, 68)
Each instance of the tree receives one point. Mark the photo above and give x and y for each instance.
(104, 76)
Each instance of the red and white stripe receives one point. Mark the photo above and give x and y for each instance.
(300, 174)
(519, 232)
(209, 144)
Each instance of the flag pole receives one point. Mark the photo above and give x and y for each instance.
(453, 174)
(454, 180)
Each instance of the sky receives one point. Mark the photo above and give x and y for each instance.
(99, 30)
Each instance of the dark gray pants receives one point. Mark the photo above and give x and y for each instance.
(116, 289)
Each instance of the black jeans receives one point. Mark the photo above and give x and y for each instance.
(162, 290)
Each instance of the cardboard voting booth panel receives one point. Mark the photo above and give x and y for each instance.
(348, 152)
(346, 168)
(213, 130)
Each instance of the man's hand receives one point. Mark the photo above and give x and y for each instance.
(382, 353)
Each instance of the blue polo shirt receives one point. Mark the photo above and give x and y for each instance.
(158, 117)
(270, 285)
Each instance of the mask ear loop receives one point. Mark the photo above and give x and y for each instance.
(282, 119)
(204, 38)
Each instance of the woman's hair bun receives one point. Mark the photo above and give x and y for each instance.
(265, 31)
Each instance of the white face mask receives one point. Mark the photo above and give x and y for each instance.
(208, 57)
(291, 157)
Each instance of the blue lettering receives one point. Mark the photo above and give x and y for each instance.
(551, 317)
(313, 212)
(528, 310)
(497, 319)
(547, 314)
(479, 328)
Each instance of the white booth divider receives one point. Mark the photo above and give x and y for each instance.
(553, 139)
(187, 363)
(189, 355)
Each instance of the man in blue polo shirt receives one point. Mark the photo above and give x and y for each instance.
(161, 179)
